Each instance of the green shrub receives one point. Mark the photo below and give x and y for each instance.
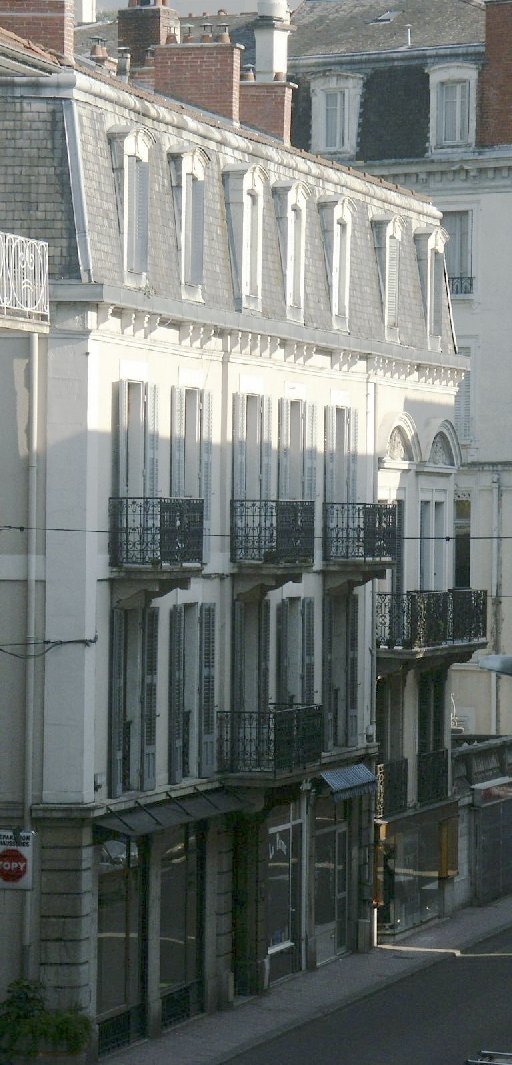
(28, 1026)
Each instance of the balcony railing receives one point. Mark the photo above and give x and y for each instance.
(461, 286)
(274, 531)
(276, 740)
(364, 531)
(433, 776)
(391, 787)
(23, 277)
(155, 532)
(430, 619)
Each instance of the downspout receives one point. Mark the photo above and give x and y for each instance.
(371, 495)
(495, 600)
(30, 630)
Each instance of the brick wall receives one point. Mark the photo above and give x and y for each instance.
(494, 125)
(268, 106)
(46, 22)
(204, 74)
(140, 28)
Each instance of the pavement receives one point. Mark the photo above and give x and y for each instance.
(217, 1038)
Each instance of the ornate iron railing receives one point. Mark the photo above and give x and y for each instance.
(461, 286)
(23, 276)
(391, 787)
(433, 776)
(429, 619)
(276, 740)
(275, 531)
(363, 531)
(154, 532)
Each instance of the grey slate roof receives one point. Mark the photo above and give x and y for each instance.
(324, 27)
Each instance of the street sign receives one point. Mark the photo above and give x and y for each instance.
(15, 860)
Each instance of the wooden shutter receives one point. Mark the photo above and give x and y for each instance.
(310, 450)
(117, 702)
(264, 655)
(207, 688)
(330, 455)
(308, 651)
(266, 447)
(327, 690)
(282, 652)
(238, 645)
(152, 442)
(122, 423)
(137, 215)
(353, 434)
(352, 677)
(239, 444)
(205, 473)
(176, 692)
(392, 281)
(148, 730)
(440, 113)
(284, 448)
(197, 232)
(464, 111)
(177, 442)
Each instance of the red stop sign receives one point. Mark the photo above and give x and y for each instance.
(13, 865)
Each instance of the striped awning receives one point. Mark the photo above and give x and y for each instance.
(349, 781)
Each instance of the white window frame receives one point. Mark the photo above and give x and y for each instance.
(468, 271)
(290, 207)
(430, 244)
(452, 74)
(387, 234)
(130, 157)
(349, 87)
(188, 171)
(244, 193)
(336, 225)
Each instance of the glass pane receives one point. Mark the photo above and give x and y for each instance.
(325, 877)
(119, 942)
(325, 812)
(341, 922)
(173, 913)
(279, 886)
(331, 119)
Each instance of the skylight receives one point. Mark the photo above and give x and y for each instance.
(388, 16)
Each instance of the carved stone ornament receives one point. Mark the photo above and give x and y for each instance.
(441, 454)
(398, 446)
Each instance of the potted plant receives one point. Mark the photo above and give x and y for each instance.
(32, 1033)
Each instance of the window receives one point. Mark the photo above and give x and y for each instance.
(336, 225)
(340, 470)
(453, 90)
(335, 101)
(192, 449)
(387, 233)
(297, 449)
(340, 669)
(136, 441)
(191, 691)
(462, 413)
(252, 446)
(130, 160)
(432, 545)
(188, 180)
(243, 190)
(458, 252)
(430, 258)
(431, 711)
(463, 541)
(295, 651)
(290, 208)
(251, 655)
(133, 700)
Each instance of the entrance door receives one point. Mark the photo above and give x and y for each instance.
(330, 891)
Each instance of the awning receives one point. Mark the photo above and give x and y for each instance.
(349, 781)
(155, 817)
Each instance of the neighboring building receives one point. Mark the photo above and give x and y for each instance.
(482, 779)
(249, 386)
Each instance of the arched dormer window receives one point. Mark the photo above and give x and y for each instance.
(430, 243)
(244, 190)
(130, 158)
(188, 181)
(336, 225)
(387, 235)
(290, 208)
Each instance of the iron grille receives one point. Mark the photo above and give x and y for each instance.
(360, 531)
(154, 532)
(277, 740)
(429, 619)
(461, 286)
(433, 776)
(275, 531)
(119, 1031)
(391, 787)
(181, 1003)
(23, 276)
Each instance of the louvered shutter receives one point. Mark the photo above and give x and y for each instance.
(330, 455)
(308, 651)
(197, 232)
(150, 662)
(177, 442)
(206, 466)
(238, 644)
(327, 690)
(207, 688)
(131, 213)
(117, 706)
(264, 655)
(282, 653)
(392, 281)
(464, 111)
(122, 463)
(266, 447)
(353, 435)
(462, 414)
(352, 678)
(176, 692)
(152, 442)
(310, 450)
(239, 444)
(284, 448)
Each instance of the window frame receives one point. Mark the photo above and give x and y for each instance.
(130, 150)
(457, 74)
(290, 204)
(336, 217)
(188, 173)
(387, 234)
(351, 86)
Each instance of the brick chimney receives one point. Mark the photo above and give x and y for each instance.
(267, 106)
(204, 73)
(266, 100)
(143, 26)
(494, 122)
(49, 23)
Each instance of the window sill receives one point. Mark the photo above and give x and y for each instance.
(193, 293)
(340, 322)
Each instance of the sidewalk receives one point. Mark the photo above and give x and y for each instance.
(214, 1039)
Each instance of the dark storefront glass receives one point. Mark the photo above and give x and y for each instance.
(180, 926)
(330, 878)
(283, 890)
(408, 870)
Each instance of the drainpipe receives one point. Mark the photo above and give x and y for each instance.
(30, 630)
(495, 593)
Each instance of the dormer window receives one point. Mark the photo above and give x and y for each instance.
(430, 257)
(290, 207)
(244, 190)
(335, 100)
(336, 224)
(453, 106)
(130, 159)
(387, 235)
(188, 175)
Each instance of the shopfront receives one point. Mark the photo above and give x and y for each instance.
(331, 881)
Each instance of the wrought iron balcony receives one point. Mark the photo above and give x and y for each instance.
(433, 776)
(365, 531)
(277, 740)
(155, 532)
(461, 286)
(273, 531)
(23, 277)
(391, 787)
(430, 619)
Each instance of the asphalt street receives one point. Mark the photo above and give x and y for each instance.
(438, 1016)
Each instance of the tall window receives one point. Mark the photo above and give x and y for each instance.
(191, 691)
(453, 112)
(243, 191)
(458, 252)
(336, 225)
(188, 181)
(133, 692)
(192, 448)
(290, 208)
(130, 161)
(462, 413)
(336, 119)
(387, 234)
(295, 647)
(335, 104)
(252, 446)
(297, 449)
(463, 543)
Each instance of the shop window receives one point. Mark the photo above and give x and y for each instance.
(181, 929)
(283, 891)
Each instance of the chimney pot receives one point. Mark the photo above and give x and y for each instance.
(247, 74)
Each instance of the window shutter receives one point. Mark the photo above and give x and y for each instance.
(152, 442)
(464, 111)
(397, 573)
(308, 651)
(264, 655)
(310, 452)
(206, 465)
(197, 233)
(137, 214)
(266, 447)
(282, 652)
(207, 688)
(392, 281)
(352, 678)
(176, 692)
(238, 684)
(150, 662)
(117, 708)
(131, 212)
(462, 414)
(122, 464)
(440, 113)
(239, 444)
(177, 442)
(284, 448)
(353, 434)
(328, 694)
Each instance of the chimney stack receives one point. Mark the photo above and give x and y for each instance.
(494, 124)
(142, 26)
(266, 103)
(49, 23)
(203, 73)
